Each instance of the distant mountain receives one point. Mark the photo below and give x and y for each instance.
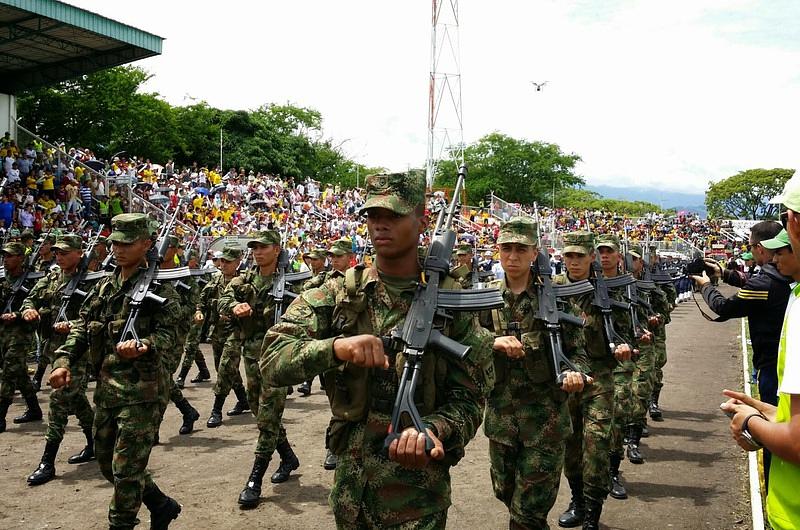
(692, 202)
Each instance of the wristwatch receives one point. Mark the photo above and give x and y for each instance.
(746, 433)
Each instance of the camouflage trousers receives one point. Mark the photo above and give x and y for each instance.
(14, 346)
(526, 479)
(123, 438)
(267, 405)
(69, 400)
(228, 375)
(588, 447)
(623, 403)
(660, 359)
(191, 348)
(366, 521)
(642, 383)
(175, 394)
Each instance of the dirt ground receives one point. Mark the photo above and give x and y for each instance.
(694, 477)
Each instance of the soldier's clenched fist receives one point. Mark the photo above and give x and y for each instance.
(361, 350)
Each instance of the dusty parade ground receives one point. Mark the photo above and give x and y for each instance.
(694, 477)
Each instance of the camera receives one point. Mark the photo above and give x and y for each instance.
(696, 268)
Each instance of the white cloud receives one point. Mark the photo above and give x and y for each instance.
(663, 94)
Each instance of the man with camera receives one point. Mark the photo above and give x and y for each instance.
(762, 298)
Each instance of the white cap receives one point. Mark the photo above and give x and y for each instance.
(217, 254)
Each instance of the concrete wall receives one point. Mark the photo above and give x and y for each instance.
(8, 115)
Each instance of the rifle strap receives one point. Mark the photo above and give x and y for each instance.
(499, 323)
(352, 280)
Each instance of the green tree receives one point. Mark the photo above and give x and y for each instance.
(516, 170)
(582, 199)
(746, 195)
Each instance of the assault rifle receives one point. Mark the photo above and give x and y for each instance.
(431, 307)
(72, 289)
(147, 282)
(605, 303)
(283, 275)
(553, 317)
(19, 290)
(632, 296)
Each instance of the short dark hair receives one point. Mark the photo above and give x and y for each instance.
(764, 230)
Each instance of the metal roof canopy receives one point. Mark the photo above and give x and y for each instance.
(43, 42)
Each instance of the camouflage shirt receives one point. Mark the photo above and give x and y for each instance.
(95, 334)
(301, 346)
(514, 413)
(209, 300)
(321, 278)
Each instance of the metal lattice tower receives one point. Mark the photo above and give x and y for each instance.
(445, 123)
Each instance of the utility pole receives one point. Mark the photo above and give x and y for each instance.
(445, 120)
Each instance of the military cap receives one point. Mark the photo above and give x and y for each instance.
(747, 256)
(636, 251)
(315, 254)
(26, 234)
(398, 192)
(68, 242)
(463, 250)
(173, 241)
(580, 242)
(130, 227)
(522, 230)
(52, 236)
(230, 253)
(340, 247)
(779, 241)
(265, 237)
(14, 248)
(608, 240)
(217, 254)
(790, 196)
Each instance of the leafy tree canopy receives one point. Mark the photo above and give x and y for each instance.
(746, 195)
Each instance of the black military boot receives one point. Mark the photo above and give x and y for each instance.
(242, 405)
(593, 510)
(180, 381)
(215, 420)
(305, 388)
(249, 496)
(634, 437)
(203, 374)
(32, 413)
(655, 410)
(617, 489)
(575, 512)
(289, 391)
(645, 430)
(47, 467)
(87, 453)
(190, 415)
(330, 461)
(163, 509)
(289, 463)
(4, 404)
(36, 380)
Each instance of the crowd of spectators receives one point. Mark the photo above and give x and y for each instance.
(44, 190)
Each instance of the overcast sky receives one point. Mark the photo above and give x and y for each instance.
(660, 94)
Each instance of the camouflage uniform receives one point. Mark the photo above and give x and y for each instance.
(466, 277)
(665, 308)
(527, 417)
(16, 340)
(370, 490)
(266, 402)
(586, 465)
(129, 391)
(45, 297)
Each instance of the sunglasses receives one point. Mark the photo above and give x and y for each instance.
(784, 218)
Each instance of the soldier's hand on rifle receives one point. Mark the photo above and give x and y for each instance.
(8, 317)
(361, 350)
(62, 328)
(29, 315)
(409, 449)
(131, 349)
(646, 338)
(59, 377)
(242, 310)
(509, 345)
(198, 317)
(573, 381)
(623, 352)
(654, 320)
